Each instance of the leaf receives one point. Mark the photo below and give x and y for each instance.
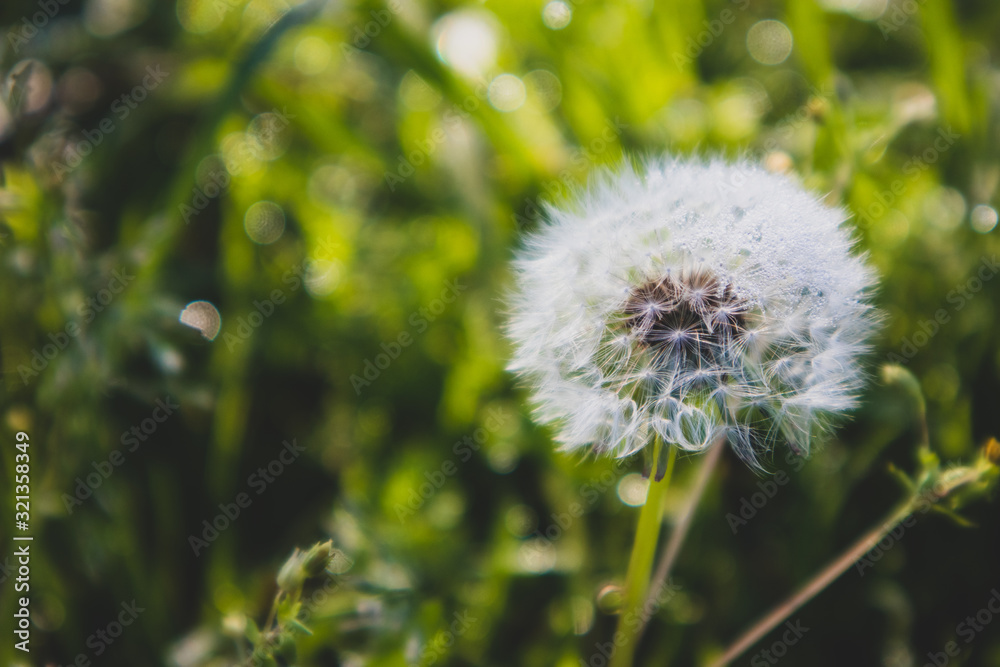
(299, 627)
(955, 516)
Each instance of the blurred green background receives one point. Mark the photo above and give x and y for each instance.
(331, 192)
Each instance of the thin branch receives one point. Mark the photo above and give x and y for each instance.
(815, 585)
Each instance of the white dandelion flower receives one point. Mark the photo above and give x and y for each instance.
(691, 301)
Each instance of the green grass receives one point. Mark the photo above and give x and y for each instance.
(401, 178)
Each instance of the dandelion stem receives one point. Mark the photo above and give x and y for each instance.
(673, 546)
(640, 563)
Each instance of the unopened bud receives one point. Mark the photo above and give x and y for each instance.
(291, 575)
(317, 558)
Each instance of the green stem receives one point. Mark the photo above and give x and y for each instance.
(672, 548)
(640, 563)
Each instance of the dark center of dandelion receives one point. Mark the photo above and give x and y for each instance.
(689, 318)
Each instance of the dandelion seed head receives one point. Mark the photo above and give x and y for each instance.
(692, 301)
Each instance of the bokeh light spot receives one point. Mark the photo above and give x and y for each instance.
(502, 458)
(264, 222)
(204, 317)
(686, 120)
(199, 16)
(312, 55)
(609, 598)
(736, 114)
(507, 93)
(29, 85)
(536, 555)
(945, 208)
(258, 15)
(322, 277)
(557, 15)
(778, 162)
(446, 510)
(335, 184)
(267, 132)
(520, 520)
(467, 41)
(891, 230)
(983, 218)
(583, 614)
(6, 121)
(78, 89)
(632, 489)
(417, 94)
(107, 18)
(864, 10)
(240, 153)
(544, 88)
(769, 42)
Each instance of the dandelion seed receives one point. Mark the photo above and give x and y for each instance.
(693, 301)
